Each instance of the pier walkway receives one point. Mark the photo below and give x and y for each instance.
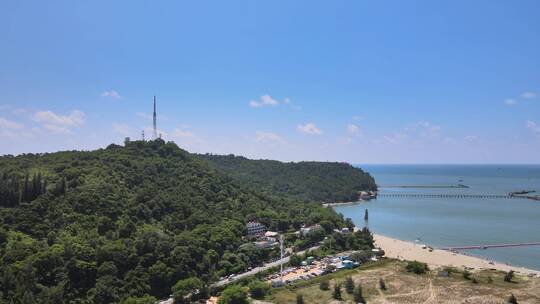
(491, 246)
(451, 195)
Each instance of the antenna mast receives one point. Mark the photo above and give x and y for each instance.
(155, 119)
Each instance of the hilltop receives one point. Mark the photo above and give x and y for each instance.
(130, 221)
(310, 181)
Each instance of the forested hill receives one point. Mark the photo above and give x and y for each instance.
(105, 225)
(312, 181)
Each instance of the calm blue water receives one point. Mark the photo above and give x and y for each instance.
(457, 222)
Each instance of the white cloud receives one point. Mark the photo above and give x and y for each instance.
(510, 102)
(531, 125)
(471, 138)
(111, 94)
(353, 129)
(427, 129)
(448, 139)
(187, 139)
(122, 129)
(8, 124)
(396, 138)
(57, 129)
(266, 100)
(261, 136)
(14, 130)
(528, 95)
(358, 117)
(344, 140)
(178, 133)
(75, 118)
(309, 128)
(144, 115)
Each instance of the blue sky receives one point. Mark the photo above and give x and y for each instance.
(356, 81)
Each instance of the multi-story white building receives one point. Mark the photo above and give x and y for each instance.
(255, 229)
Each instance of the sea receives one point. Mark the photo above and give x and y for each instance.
(453, 222)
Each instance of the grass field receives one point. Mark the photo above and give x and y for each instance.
(404, 287)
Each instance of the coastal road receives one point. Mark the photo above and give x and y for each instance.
(259, 269)
(248, 273)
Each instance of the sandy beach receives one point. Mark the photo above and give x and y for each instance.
(399, 249)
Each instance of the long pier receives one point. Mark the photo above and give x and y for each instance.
(451, 195)
(491, 246)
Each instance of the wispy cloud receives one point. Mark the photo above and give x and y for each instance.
(358, 117)
(8, 124)
(265, 100)
(353, 129)
(309, 128)
(186, 138)
(144, 115)
(262, 136)
(75, 118)
(57, 129)
(510, 102)
(122, 129)
(531, 125)
(528, 95)
(427, 129)
(111, 94)
(179, 133)
(396, 138)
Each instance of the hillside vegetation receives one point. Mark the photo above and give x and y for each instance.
(311, 181)
(105, 225)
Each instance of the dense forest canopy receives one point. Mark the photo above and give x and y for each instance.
(312, 181)
(130, 222)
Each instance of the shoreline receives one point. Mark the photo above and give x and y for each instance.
(328, 205)
(438, 258)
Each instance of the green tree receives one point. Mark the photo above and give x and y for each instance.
(366, 215)
(358, 295)
(258, 289)
(233, 294)
(382, 284)
(337, 292)
(186, 290)
(509, 276)
(146, 299)
(295, 260)
(349, 285)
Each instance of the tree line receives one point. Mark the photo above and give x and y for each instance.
(310, 181)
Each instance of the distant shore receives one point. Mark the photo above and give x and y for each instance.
(398, 249)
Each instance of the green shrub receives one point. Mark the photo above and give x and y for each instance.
(509, 276)
(324, 285)
(299, 299)
(417, 267)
